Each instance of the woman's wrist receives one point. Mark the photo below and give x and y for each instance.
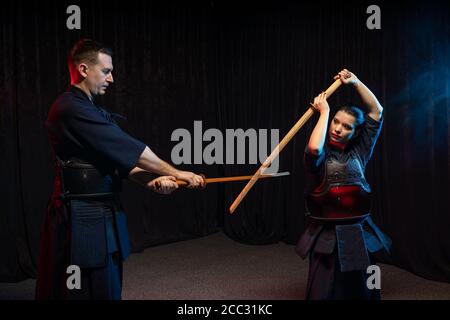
(356, 83)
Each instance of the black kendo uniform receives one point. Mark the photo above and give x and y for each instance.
(341, 237)
(85, 224)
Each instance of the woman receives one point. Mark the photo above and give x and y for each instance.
(341, 236)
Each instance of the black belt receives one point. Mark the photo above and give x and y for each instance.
(82, 180)
(89, 196)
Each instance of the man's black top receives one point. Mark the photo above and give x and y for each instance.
(79, 129)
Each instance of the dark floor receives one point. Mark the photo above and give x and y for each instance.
(216, 267)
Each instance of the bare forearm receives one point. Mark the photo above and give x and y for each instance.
(150, 162)
(317, 139)
(140, 176)
(162, 185)
(370, 100)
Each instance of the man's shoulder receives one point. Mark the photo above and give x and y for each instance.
(68, 104)
(68, 99)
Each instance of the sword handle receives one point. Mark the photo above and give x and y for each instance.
(182, 183)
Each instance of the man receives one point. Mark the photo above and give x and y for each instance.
(85, 225)
(341, 236)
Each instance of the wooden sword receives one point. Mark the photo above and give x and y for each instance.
(183, 183)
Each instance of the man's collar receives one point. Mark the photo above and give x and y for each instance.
(80, 93)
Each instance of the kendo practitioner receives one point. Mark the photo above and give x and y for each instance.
(85, 225)
(341, 237)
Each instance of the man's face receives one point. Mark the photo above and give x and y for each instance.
(342, 127)
(99, 76)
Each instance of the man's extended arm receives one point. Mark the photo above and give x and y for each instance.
(150, 162)
(166, 184)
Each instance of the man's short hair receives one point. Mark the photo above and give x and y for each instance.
(86, 50)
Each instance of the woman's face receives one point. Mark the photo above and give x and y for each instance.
(342, 127)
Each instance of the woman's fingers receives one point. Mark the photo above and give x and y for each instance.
(322, 97)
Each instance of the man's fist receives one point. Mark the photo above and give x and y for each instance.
(163, 184)
(193, 180)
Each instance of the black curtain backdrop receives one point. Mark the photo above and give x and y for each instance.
(235, 65)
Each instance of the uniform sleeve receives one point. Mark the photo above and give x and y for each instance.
(313, 162)
(103, 138)
(368, 137)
